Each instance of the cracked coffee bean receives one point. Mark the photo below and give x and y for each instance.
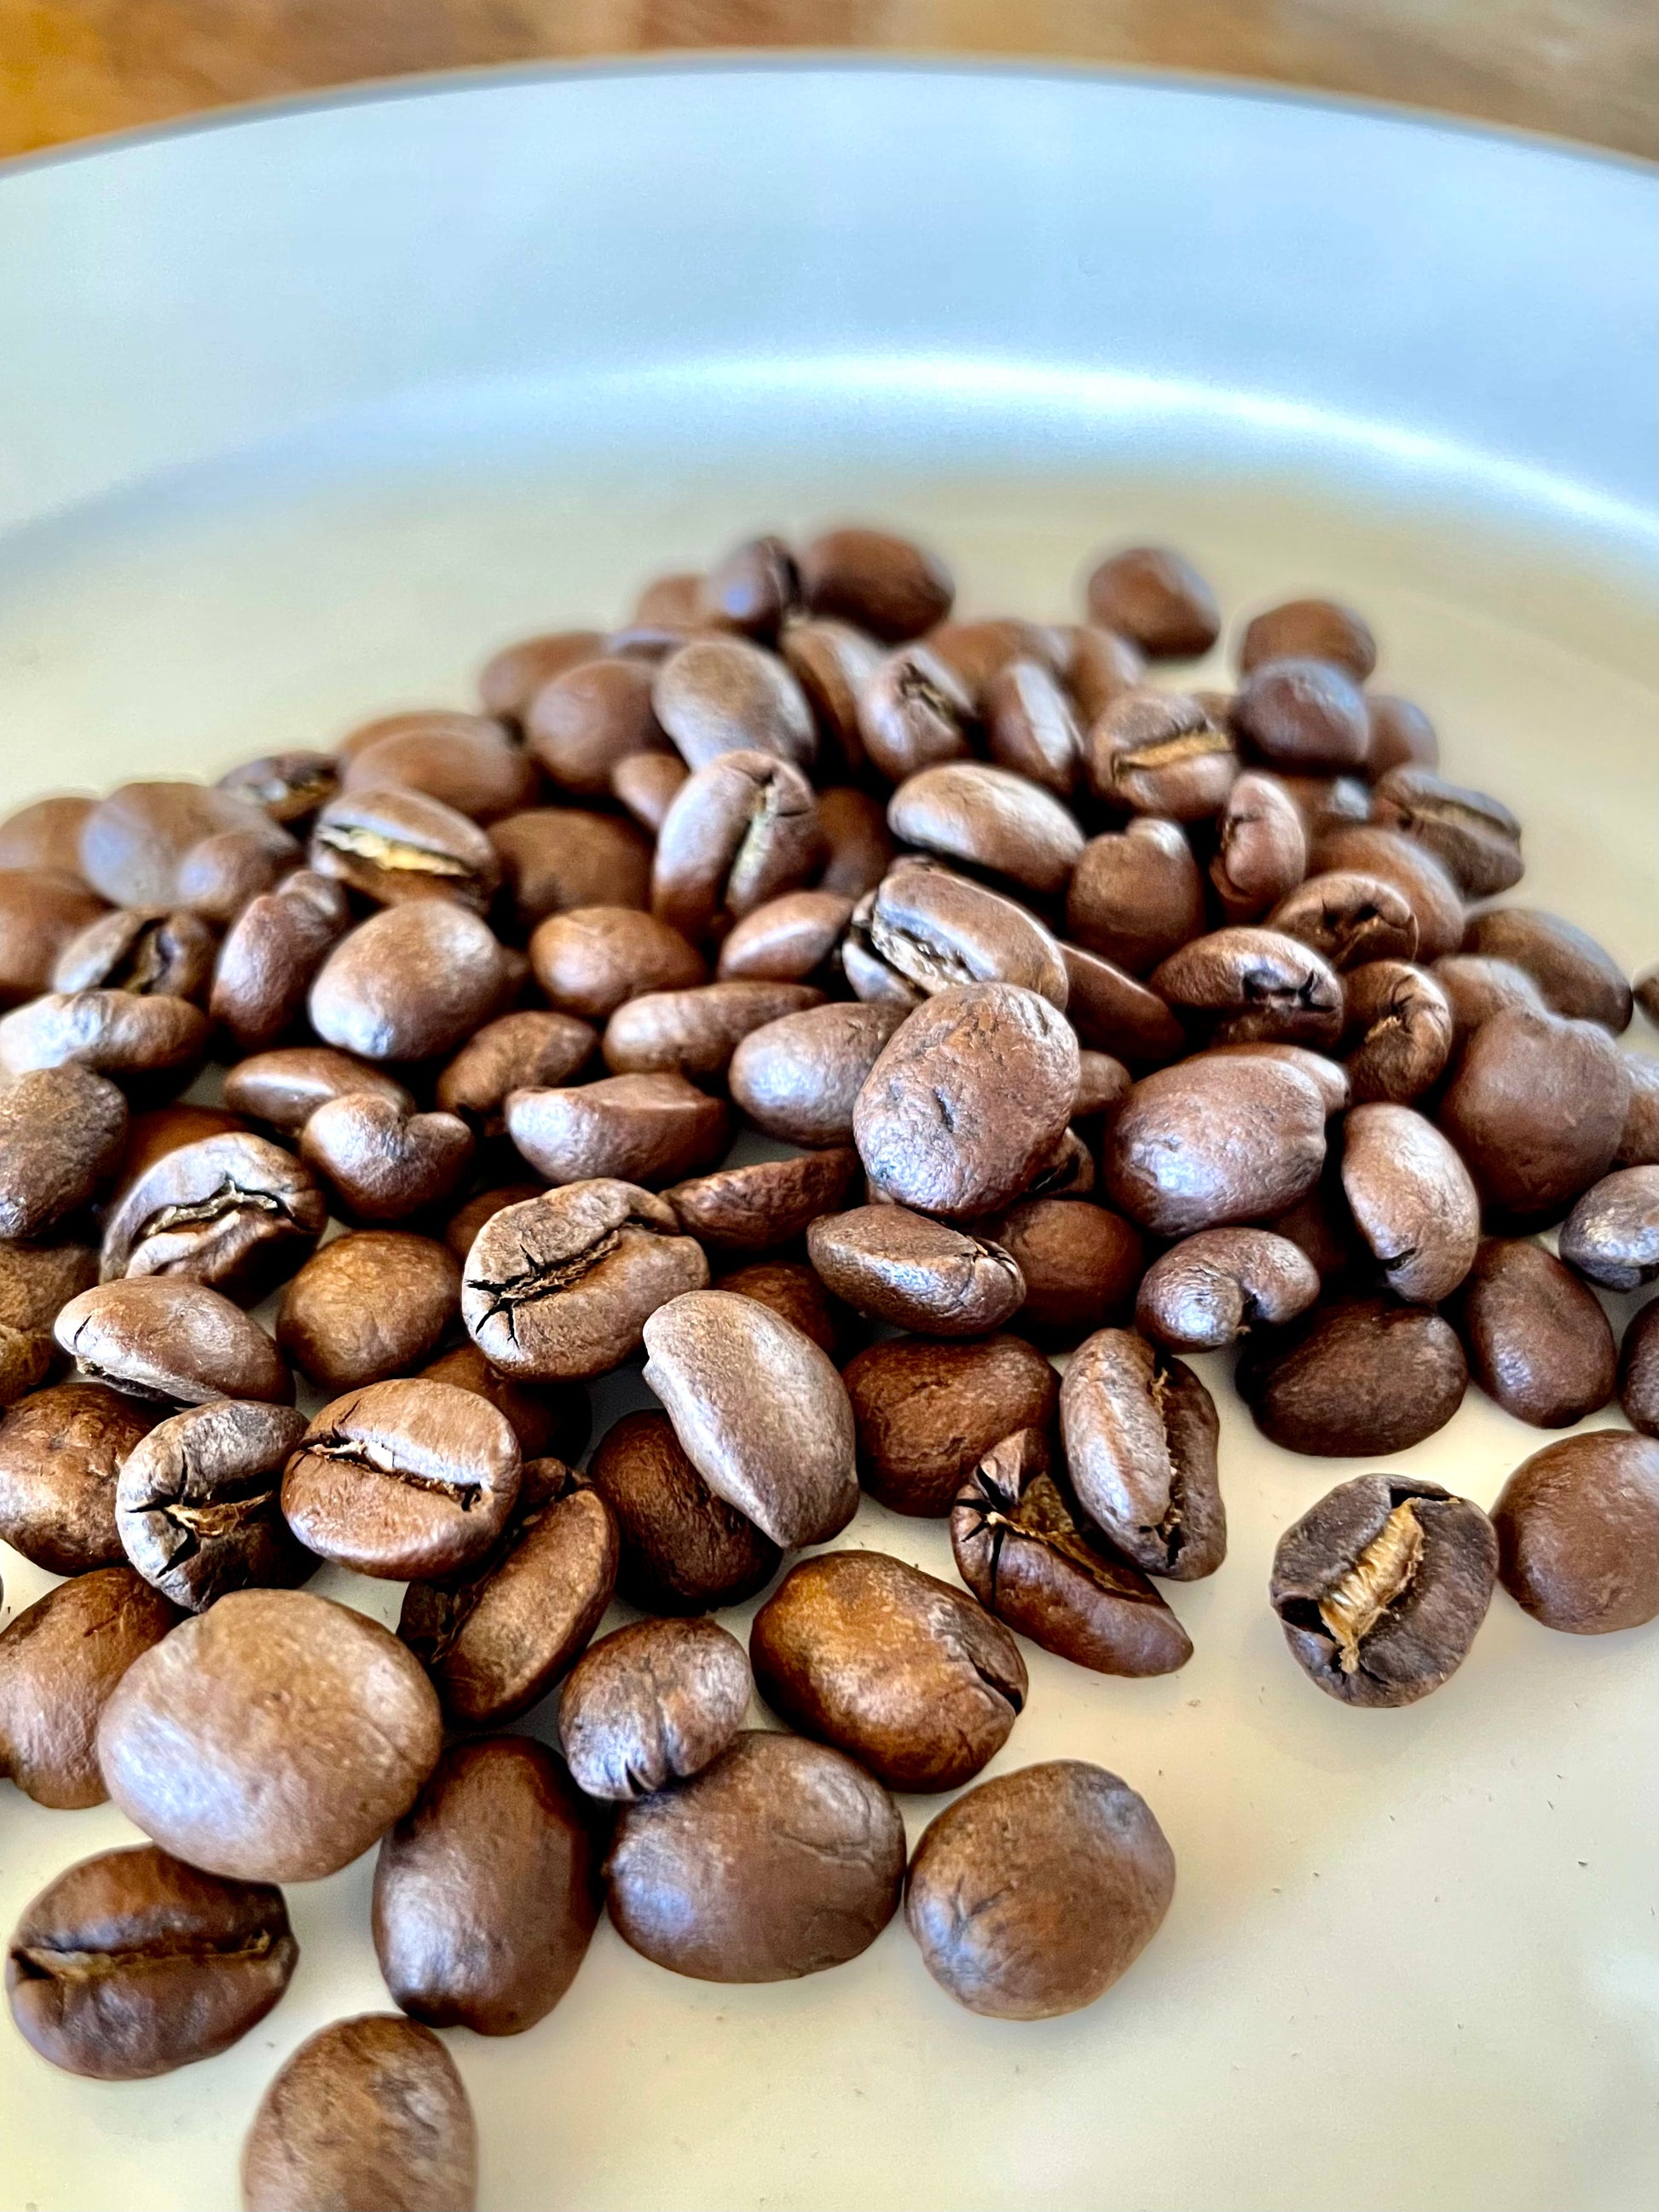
(925, 928)
(1400, 1030)
(1368, 849)
(1162, 753)
(1209, 1289)
(170, 955)
(1140, 1432)
(1612, 1234)
(62, 1132)
(1413, 1200)
(684, 1550)
(1578, 1533)
(1254, 986)
(899, 1266)
(766, 1204)
(1158, 600)
(233, 1212)
(61, 1660)
(199, 1503)
(61, 1451)
(650, 1705)
(1356, 1377)
(740, 831)
(915, 712)
(163, 1336)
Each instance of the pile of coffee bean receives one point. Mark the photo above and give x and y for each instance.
(1051, 1010)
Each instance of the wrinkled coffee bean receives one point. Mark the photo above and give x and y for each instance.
(1399, 1032)
(1348, 918)
(271, 955)
(924, 929)
(62, 1130)
(1310, 629)
(695, 1033)
(284, 1088)
(986, 817)
(650, 1705)
(367, 1306)
(1301, 713)
(1380, 1587)
(886, 585)
(1249, 986)
(60, 1452)
(593, 959)
(586, 717)
(1474, 836)
(289, 786)
(1537, 1341)
(1162, 753)
(163, 1336)
(1080, 1265)
(1612, 1234)
(1158, 600)
(789, 939)
(61, 1660)
(234, 1212)
(381, 1162)
(1215, 1140)
(798, 1078)
(1537, 1106)
(1032, 727)
(1136, 894)
(1211, 1289)
(150, 1044)
(1261, 848)
(1139, 1431)
(167, 844)
(684, 1550)
(1356, 1376)
(645, 1129)
(740, 831)
(409, 983)
(925, 1412)
(899, 1266)
(1413, 1200)
(768, 1203)
(719, 695)
(1362, 848)
(169, 954)
(199, 1504)
(1639, 1370)
(556, 858)
(1578, 1533)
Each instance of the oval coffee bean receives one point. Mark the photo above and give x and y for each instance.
(856, 833)
(925, 1412)
(586, 716)
(789, 939)
(1139, 1431)
(766, 1203)
(1474, 836)
(899, 1266)
(684, 1550)
(1032, 726)
(545, 1422)
(1575, 977)
(1158, 600)
(593, 959)
(1537, 1341)
(1081, 1264)
(1380, 1587)
(741, 830)
(163, 844)
(1612, 1234)
(464, 762)
(559, 857)
(270, 955)
(1261, 848)
(1638, 1141)
(832, 662)
(1310, 629)
(1136, 895)
(132, 1964)
(487, 1891)
(720, 696)
(61, 1659)
(161, 1336)
(1254, 986)
(1114, 1011)
(780, 1858)
(925, 928)
(273, 1737)
(61, 1133)
(1301, 713)
(1412, 1199)
(45, 834)
(1215, 1139)
(1097, 665)
(914, 711)
(798, 1078)
(41, 910)
(1537, 1106)
(886, 585)
(1211, 1289)
(409, 983)
(284, 1088)
(695, 1033)
(198, 1504)
(1639, 1370)
(988, 818)
(1400, 1030)
(1033, 1892)
(1578, 1533)
(1162, 753)
(368, 1305)
(390, 843)
(1356, 1376)
(515, 1052)
(60, 1452)
(652, 1704)
(1402, 736)
(1348, 919)
(233, 1212)
(645, 1129)
(647, 784)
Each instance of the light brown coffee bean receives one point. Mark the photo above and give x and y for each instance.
(1032, 727)
(169, 844)
(511, 679)
(45, 834)
(466, 761)
(515, 1052)
(42, 909)
(1162, 753)
(855, 827)
(1476, 988)
(168, 953)
(381, 1163)
(234, 1212)
(1612, 1234)
(740, 830)
(1359, 848)
(915, 712)
(1399, 1030)
(1474, 836)
(1252, 986)
(1350, 919)
(832, 662)
(558, 857)
(409, 983)
(1301, 714)
(1211, 1289)
(645, 1129)
(163, 1336)
(392, 844)
(695, 1033)
(589, 716)
(1261, 848)
(723, 694)
(368, 1305)
(197, 1503)
(1080, 1264)
(152, 1045)
(270, 955)
(61, 1451)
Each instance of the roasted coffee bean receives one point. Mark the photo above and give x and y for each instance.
(515, 1052)
(908, 1676)
(1355, 1377)
(593, 959)
(495, 1641)
(832, 662)
(45, 834)
(1139, 1431)
(234, 1212)
(60, 1660)
(925, 1412)
(41, 910)
(132, 1964)
(1114, 1011)
(284, 1088)
(1327, 1077)
(401, 1479)
(1261, 848)
(1068, 1172)
(652, 1704)
(888, 586)
(759, 1410)
(1102, 1084)
(134, 950)
(740, 830)
(27, 1358)
(1399, 1030)
(798, 1078)
(695, 1033)
(789, 939)
(558, 1289)
(289, 786)
(1578, 1533)
(1401, 736)
(1032, 1894)
(1162, 753)
(856, 837)
(1220, 1139)
(1639, 1370)
(1080, 1265)
(1252, 986)
(1136, 895)
(381, 1162)
(646, 1129)
(162, 1336)
(197, 1505)
(915, 712)
(1412, 1200)
(62, 1131)
(1537, 1106)
(1099, 665)
(368, 1305)
(684, 1550)
(150, 1045)
(558, 857)
(722, 694)
(183, 844)
(924, 929)
(1032, 726)
(1158, 600)
(1537, 1341)
(1612, 1234)
(411, 982)
(60, 1452)
(1574, 975)
(780, 1858)
(670, 599)
(791, 1289)
(368, 2111)
(988, 818)
(899, 1266)
(1638, 1141)
(470, 1216)
(465, 762)
(1646, 992)
(765, 1204)
(1213, 1288)
(1301, 713)
(1349, 919)
(487, 1892)
(585, 718)
(272, 1737)
(270, 955)
(36, 1281)
(1359, 848)
(1474, 836)
(1021, 1552)
(163, 1129)
(555, 1422)
(1328, 803)
(968, 1100)
(1310, 629)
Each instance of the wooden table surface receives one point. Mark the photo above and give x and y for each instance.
(1585, 69)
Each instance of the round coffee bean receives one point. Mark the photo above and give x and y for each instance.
(555, 858)
(1139, 1431)
(1412, 1200)
(1310, 629)
(511, 679)
(1136, 895)
(1537, 1106)
(1357, 1376)
(1381, 1586)
(695, 1033)
(170, 954)
(199, 1503)
(1302, 714)
(789, 939)
(790, 1288)
(652, 1704)
(182, 844)
(899, 1266)
(132, 1964)
(1537, 1341)
(684, 1550)
(368, 2111)
(233, 1212)
(925, 928)
(1261, 848)
(1639, 1370)
(1612, 1234)
(273, 1737)
(886, 585)
(645, 1129)
(593, 959)
(1578, 1533)
(798, 1078)
(1032, 1894)
(1362, 848)
(61, 1659)
(60, 1452)
(367, 1306)
(1157, 599)
(289, 786)
(780, 1858)
(161, 1336)
(766, 1204)
(988, 818)
(284, 1088)
(1474, 836)
(61, 1133)
(925, 1414)
(1080, 1265)
(1348, 918)
(270, 955)
(1254, 986)
(1162, 753)
(647, 784)
(741, 830)
(1400, 1030)
(409, 983)
(1211, 1289)
(585, 717)
(1215, 1139)
(1032, 726)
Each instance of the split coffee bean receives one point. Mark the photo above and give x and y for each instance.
(61, 1451)
(1162, 753)
(1537, 1341)
(926, 1412)
(233, 1212)
(61, 1660)
(1139, 1431)
(169, 954)
(1399, 1033)
(1474, 836)
(684, 1549)
(899, 1266)
(1348, 918)
(741, 828)
(198, 1504)
(1354, 1377)
(925, 928)
(1578, 1533)
(650, 1705)
(1211, 1289)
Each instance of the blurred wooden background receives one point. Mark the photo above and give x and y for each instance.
(1587, 69)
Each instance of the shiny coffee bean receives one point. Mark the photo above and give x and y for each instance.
(790, 940)
(593, 959)
(780, 1858)
(684, 1550)
(798, 1078)
(885, 585)
(1158, 600)
(199, 1504)
(270, 955)
(1310, 629)
(695, 1033)
(832, 662)
(289, 786)
(42, 909)
(925, 1414)
(1261, 848)
(235, 1212)
(1249, 986)
(132, 1964)
(1033, 1892)
(411, 982)
(646, 1129)
(1139, 1431)
(925, 928)
(915, 712)
(1573, 974)
(1612, 1234)
(170, 844)
(62, 1132)
(515, 1052)
(1412, 1200)
(588, 717)
(61, 1660)
(1639, 1370)
(1114, 1011)
(1358, 848)
(1402, 736)
(1213, 1141)
(1162, 753)
(61, 1450)
(163, 1336)
(1638, 1141)
(740, 831)
(1300, 714)
(465, 762)
(765, 1204)
(511, 679)
(1352, 1378)
(45, 834)
(284, 1088)
(1399, 1030)
(1032, 726)
(1578, 1533)
(856, 837)
(650, 1705)
(1474, 836)
(368, 1305)
(1537, 1106)
(1347, 918)
(1537, 1341)
(988, 818)
(170, 954)
(463, 1226)
(163, 1129)
(558, 857)
(1080, 1265)
(381, 1162)
(1209, 1289)
(899, 1266)
(723, 694)
(153, 1046)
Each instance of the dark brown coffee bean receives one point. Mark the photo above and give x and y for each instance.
(1638, 1141)
(150, 1045)
(722, 694)
(1328, 1078)
(887, 586)
(1412, 1200)
(1136, 895)
(1537, 1106)
(1139, 1431)
(284, 1088)
(511, 679)
(1612, 1234)
(1032, 728)
(152, 1135)
(289, 786)
(684, 1549)
(1310, 629)
(1356, 1378)
(515, 1052)
(1646, 992)
(409, 983)
(1102, 1084)
(915, 712)
(925, 928)
(1158, 600)
(856, 837)
(162, 1336)
(487, 1892)
(1381, 1586)
(1024, 1556)
(197, 1505)
(798, 1078)
(652, 1704)
(1213, 1288)
(766, 1203)
(791, 1289)
(368, 1305)
(1578, 1533)
(41, 911)
(1162, 753)
(160, 845)
(62, 1131)
(1220, 1139)
(1254, 986)
(968, 1099)
(1099, 664)
(132, 1964)
(832, 662)
(1537, 1341)
(368, 2111)
(558, 857)
(1080, 1265)
(234, 1212)
(695, 1033)
(1069, 1171)
(558, 1289)
(789, 939)
(1350, 920)
(170, 955)
(588, 716)
(646, 1129)
(593, 959)
(495, 1641)
(36, 1281)
(1574, 975)
(60, 1660)
(555, 1422)
(270, 955)
(45, 834)
(1261, 848)
(469, 1218)
(60, 1452)
(1321, 1226)
(988, 818)
(1402, 736)
(759, 1410)
(899, 1266)
(1639, 1370)
(464, 762)
(741, 830)
(382, 1164)
(925, 1412)
(1358, 848)
(1399, 1030)
(780, 1858)
(1301, 713)
(1033, 1892)
(1474, 836)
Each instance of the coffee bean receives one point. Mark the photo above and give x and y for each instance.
(132, 1964)
(1356, 1376)
(915, 712)
(36, 1281)
(1638, 1141)
(719, 695)
(1032, 726)
(153, 1046)
(780, 1858)
(856, 837)
(1573, 974)
(741, 830)
(367, 1306)
(1327, 1076)
(988, 818)
(197, 1505)
(463, 1226)
(511, 679)
(1213, 1141)
(790, 940)
(515, 1052)
(368, 2111)
(41, 911)
(925, 1414)
(924, 929)
(790, 1288)
(163, 1129)
(163, 1336)
(1646, 992)
(487, 1892)
(409, 983)
(684, 1550)
(1321, 1226)
(182, 844)
(289, 786)
(1537, 1106)
(1361, 849)
(62, 1130)
(1080, 1265)
(645, 1129)
(695, 1033)
(1401, 735)
(45, 834)
(554, 1422)
(832, 662)
(968, 1100)
(1310, 629)
(1537, 1341)
(768, 1203)
(273, 1737)
(585, 718)
(1249, 986)
(1399, 1030)
(558, 857)
(1114, 1011)
(1209, 1289)
(1069, 1170)
(1099, 665)
(593, 959)
(1474, 836)
(170, 954)
(61, 1659)
(495, 1641)
(1301, 713)
(1102, 1084)
(284, 1088)
(381, 1162)
(899, 1266)
(1161, 753)
(1578, 1533)
(464, 762)
(60, 1452)
(798, 1078)
(1412, 1199)
(886, 585)
(1158, 600)
(758, 1410)
(1261, 848)
(234, 1212)
(1639, 1370)
(1612, 1234)
(652, 1704)
(1350, 919)
(270, 955)
(1033, 1892)
(1139, 1431)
